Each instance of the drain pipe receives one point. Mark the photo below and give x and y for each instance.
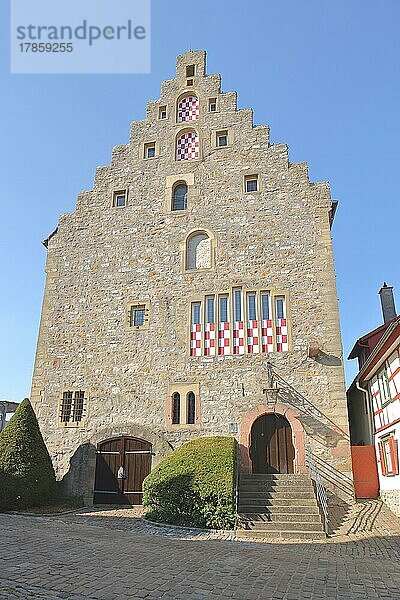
(368, 406)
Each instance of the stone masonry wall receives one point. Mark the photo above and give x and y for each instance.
(102, 258)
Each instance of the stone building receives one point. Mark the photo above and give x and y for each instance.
(195, 277)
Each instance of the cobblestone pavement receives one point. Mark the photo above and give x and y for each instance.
(111, 554)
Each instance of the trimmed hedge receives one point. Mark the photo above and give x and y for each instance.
(26, 472)
(194, 485)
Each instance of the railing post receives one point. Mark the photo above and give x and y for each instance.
(237, 485)
(319, 488)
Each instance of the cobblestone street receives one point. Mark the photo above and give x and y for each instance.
(111, 554)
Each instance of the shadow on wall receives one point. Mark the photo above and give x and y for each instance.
(328, 360)
(79, 480)
(338, 512)
(335, 479)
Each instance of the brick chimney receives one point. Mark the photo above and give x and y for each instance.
(387, 302)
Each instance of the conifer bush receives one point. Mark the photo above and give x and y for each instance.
(194, 485)
(26, 472)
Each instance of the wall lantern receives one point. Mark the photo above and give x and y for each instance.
(272, 391)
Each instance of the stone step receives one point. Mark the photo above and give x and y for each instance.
(265, 504)
(274, 488)
(284, 526)
(256, 519)
(310, 509)
(277, 495)
(287, 535)
(274, 477)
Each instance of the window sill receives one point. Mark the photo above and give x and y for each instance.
(180, 426)
(180, 212)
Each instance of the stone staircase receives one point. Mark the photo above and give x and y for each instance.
(278, 506)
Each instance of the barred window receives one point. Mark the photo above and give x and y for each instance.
(73, 406)
(66, 407)
(79, 404)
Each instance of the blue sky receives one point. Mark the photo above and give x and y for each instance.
(324, 75)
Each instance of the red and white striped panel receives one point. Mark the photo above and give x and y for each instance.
(187, 146)
(281, 336)
(238, 337)
(209, 339)
(224, 339)
(267, 335)
(188, 109)
(253, 338)
(195, 340)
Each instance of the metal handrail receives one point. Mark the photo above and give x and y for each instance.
(290, 395)
(322, 497)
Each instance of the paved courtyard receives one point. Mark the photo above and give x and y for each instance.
(111, 554)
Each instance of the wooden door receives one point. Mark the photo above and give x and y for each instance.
(365, 472)
(137, 466)
(271, 448)
(116, 485)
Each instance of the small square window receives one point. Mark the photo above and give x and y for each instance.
(119, 199)
(162, 112)
(222, 139)
(189, 82)
(150, 150)
(138, 315)
(212, 104)
(251, 183)
(190, 71)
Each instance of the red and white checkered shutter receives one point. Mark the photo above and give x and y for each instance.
(281, 336)
(209, 339)
(224, 339)
(253, 339)
(188, 109)
(195, 340)
(281, 325)
(267, 335)
(188, 146)
(238, 337)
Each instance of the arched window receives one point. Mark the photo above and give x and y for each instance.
(198, 251)
(179, 196)
(191, 408)
(176, 408)
(188, 109)
(188, 146)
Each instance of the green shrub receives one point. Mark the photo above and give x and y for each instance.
(194, 485)
(26, 471)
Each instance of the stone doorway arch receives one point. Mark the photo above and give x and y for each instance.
(298, 437)
(271, 445)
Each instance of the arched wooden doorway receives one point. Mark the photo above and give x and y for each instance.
(122, 463)
(271, 445)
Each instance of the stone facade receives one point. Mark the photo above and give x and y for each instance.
(103, 258)
(392, 499)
